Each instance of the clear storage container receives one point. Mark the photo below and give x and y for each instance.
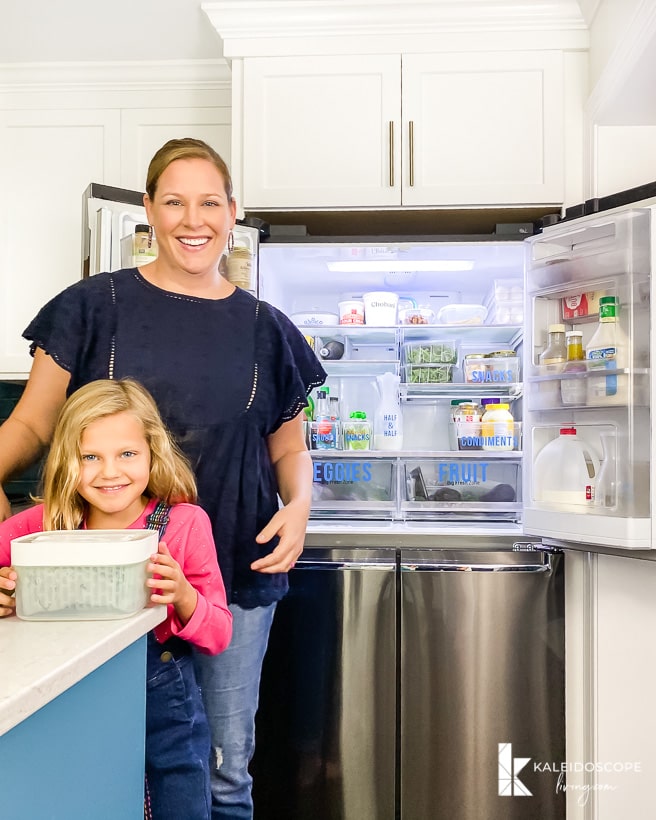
(489, 370)
(429, 352)
(82, 574)
(427, 373)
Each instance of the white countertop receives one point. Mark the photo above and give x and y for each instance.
(41, 659)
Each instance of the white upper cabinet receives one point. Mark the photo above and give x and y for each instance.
(414, 129)
(481, 128)
(322, 132)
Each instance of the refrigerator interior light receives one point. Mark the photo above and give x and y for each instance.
(380, 266)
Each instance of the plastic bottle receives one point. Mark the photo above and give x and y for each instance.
(573, 391)
(388, 421)
(552, 360)
(324, 428)
(498, 428)
(607, 350)
(144, 247)
(606, 488)
(565, 471)
(240, 266)
(556, 350)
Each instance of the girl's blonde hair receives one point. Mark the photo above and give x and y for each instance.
(171, 478)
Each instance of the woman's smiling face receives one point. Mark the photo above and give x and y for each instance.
(192, 216)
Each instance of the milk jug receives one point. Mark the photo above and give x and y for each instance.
(388, 421)
(565, 471)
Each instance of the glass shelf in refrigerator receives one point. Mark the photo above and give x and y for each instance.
(358, 367)
(457, 389)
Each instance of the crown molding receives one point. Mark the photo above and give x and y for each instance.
(241, 21)
(116, 76)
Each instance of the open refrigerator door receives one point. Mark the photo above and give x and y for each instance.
(588, 442)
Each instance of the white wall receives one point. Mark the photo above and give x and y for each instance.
(83, 30)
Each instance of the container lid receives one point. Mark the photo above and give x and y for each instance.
(608, 300)
(558, 328)
(83, 548)
(358, 414)
(574, 333)
(568, 431)
(498, 406)
(146, 229)
(502, 354)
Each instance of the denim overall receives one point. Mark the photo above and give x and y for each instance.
(177, 731)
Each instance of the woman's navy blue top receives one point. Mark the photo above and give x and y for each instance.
(225, 374)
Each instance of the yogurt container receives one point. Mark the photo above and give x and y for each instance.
(380, 308)
(351, 312)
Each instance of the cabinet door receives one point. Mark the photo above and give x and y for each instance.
(47, 159)
(322, 132)
(483, 128)
(144, 130)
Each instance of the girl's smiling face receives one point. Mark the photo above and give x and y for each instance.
(192, 216)
(114, 471)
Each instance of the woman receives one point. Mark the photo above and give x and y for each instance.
(230, 376)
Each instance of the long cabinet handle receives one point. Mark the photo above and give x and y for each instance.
(411, 140)
(391, 153)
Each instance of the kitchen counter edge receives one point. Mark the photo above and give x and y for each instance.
(42, 659)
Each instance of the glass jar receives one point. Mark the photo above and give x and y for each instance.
(467, 419)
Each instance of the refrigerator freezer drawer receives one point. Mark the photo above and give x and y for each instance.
(325, 740)
(482, 664)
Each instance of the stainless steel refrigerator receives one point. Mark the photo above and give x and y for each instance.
(396, 677)
(419, 656)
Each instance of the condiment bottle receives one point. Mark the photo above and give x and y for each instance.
(607, 350)
(556, 350)
(239, 268)
(573, 391)
(144, 247)
(498, 428)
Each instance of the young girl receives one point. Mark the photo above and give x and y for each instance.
(113, 465)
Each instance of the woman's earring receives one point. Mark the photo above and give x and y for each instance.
(231, 242)
(150, 236)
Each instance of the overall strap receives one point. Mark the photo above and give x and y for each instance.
(159, 518)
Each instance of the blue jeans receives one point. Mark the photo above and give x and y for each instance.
(177, 734)
(230, 684)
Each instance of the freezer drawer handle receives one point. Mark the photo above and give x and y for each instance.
(437, 567)
(344, 565)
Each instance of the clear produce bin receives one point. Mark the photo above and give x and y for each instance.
(346, 486)
(463, 488)
(82, 574)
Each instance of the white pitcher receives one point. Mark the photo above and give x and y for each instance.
(388, 419)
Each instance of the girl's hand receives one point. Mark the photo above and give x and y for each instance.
(8, 578)
(169, 584)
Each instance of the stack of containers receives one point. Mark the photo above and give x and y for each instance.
(428, 362)
(505, 302)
